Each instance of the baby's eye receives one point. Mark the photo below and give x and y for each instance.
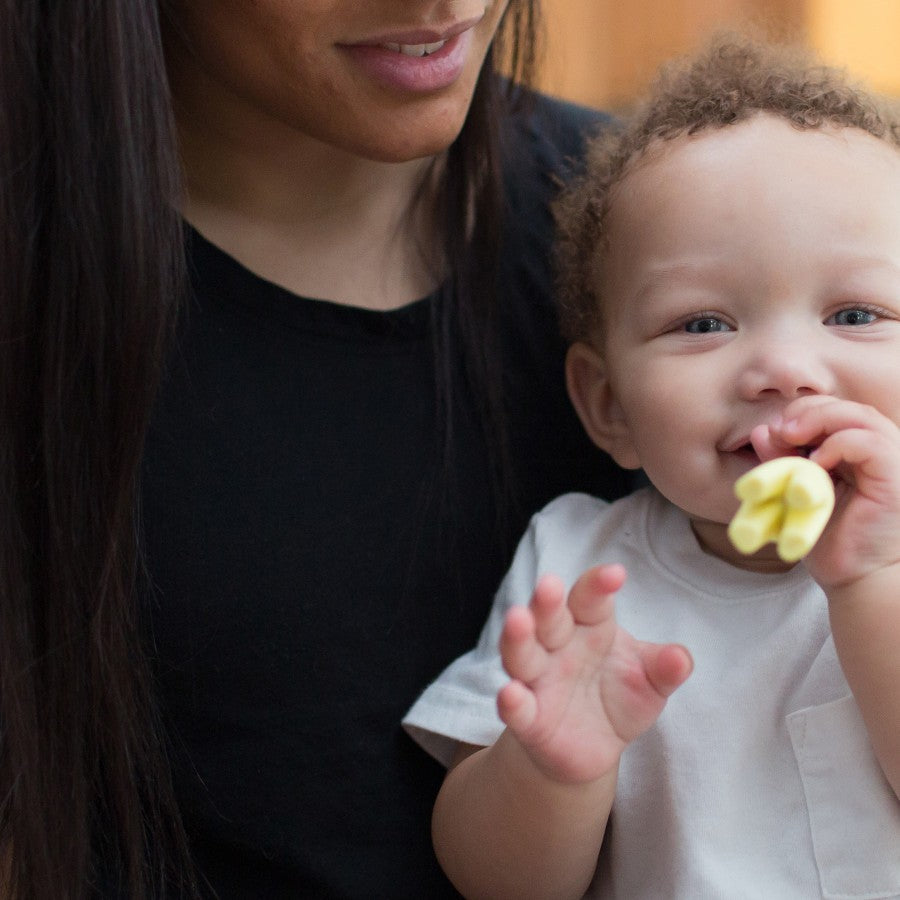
(852, 316)
(705, 325)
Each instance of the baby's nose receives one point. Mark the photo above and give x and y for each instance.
(785, 368)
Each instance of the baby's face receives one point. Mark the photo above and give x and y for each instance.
(748, 266)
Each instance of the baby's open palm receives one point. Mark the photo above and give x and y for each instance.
(582, 688)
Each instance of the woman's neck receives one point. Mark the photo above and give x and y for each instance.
(317, 220)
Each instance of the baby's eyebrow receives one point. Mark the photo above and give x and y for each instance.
(688, 273)
(865, 265)
(865, 276)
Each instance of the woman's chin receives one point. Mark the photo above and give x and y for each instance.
(413, 138)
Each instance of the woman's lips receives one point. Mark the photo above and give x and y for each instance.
(415, 62)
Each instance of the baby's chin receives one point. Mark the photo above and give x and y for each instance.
(712, 536)
(710, 499)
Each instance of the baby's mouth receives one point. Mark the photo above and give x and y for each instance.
(746, 451)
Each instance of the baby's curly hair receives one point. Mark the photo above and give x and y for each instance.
(734, 78)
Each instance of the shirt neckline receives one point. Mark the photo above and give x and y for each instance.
(218, 276)
(669, 537)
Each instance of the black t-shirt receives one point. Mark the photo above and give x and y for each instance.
(314, 564)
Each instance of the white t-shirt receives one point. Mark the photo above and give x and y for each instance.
(758, 780)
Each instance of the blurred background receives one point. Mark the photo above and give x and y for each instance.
(604, 52)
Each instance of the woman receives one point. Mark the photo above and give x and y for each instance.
(334, 444)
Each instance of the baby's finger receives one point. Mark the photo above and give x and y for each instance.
(523, 657)
(767, 443)
(516, 706)
(667, 666)
(811, 420)
(553, 623)
(590, 599)
(860, 457)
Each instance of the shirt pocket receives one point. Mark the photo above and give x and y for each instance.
(854, 815)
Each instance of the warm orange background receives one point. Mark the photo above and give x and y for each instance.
(603, 52)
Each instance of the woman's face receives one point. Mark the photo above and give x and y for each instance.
(388, 80)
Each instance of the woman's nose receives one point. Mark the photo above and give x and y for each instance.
(786, 369)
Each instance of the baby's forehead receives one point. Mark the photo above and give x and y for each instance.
(761, 147)
(723, 118)
(758, 194)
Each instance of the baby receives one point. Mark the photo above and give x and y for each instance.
(720, 724)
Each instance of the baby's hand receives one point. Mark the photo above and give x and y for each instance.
(582, 687)
(862, 448)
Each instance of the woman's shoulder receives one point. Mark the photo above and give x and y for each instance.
(551, 129)
(543, 146)
(565, 123)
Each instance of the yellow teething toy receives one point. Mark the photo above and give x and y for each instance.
(788, 501)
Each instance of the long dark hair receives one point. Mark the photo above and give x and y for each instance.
(90, 262)
(472, 191)
(91, 273)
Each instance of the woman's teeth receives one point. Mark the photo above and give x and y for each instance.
(415, 49)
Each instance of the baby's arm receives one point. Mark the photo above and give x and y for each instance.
(526, 816)
(857, 559)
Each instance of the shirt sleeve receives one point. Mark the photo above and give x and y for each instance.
(460, 705)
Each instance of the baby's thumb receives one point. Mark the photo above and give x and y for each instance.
(667, 666)
(768, 445)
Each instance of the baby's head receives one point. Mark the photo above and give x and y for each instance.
(733, 79)
(735, 247)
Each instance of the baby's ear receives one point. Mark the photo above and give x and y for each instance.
(595, 402)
